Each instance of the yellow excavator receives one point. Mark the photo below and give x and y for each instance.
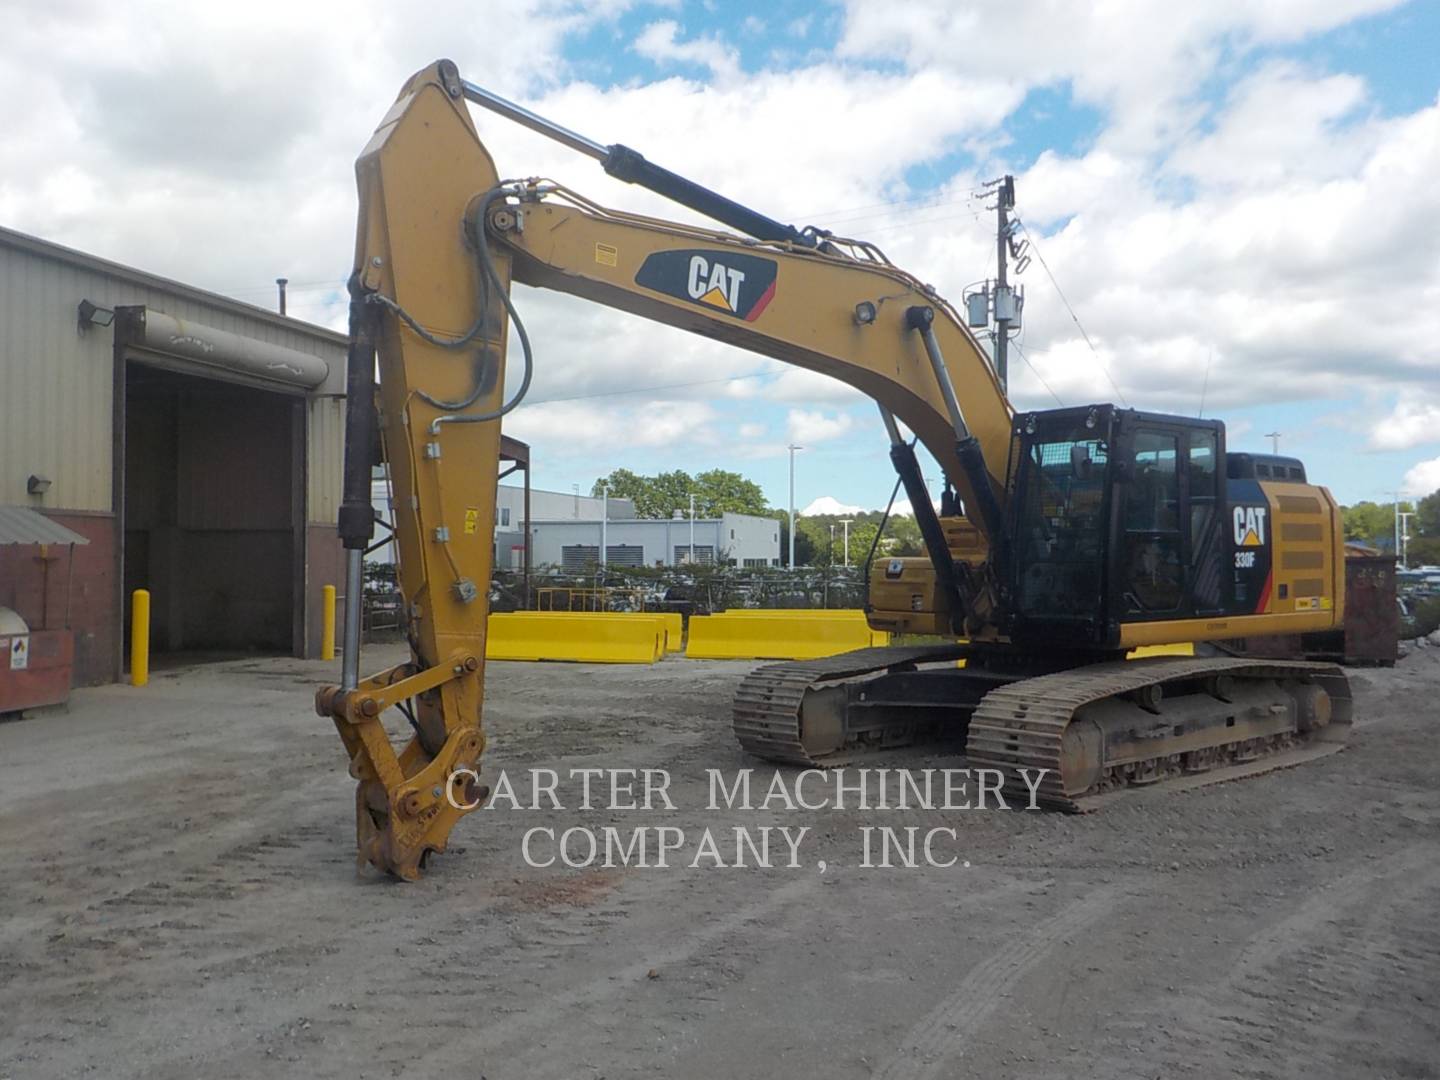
(1065, 538)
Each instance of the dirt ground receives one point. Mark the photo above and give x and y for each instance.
(179, 899)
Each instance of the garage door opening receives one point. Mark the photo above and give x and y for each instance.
(214, 513)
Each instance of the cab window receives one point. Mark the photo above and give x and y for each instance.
(1206, 542)
(1150, 558)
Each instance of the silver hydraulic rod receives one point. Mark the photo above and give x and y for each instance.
(354, 601)
(525, 118)
(922, 319)
(891, 428)
(983, 504)
(947, 388)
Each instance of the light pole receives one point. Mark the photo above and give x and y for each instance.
(604, 522)
(692, 529)
(792, 449)
(831, 553)
(1397, 527)
(1405, 516)
(1274, 437)
(846, 523)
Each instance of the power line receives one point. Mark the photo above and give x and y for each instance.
(917, 202)
(1036, 372)
(293, 286)
(1075, 318)
(647, 389)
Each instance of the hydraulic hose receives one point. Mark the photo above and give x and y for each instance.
(490, 276)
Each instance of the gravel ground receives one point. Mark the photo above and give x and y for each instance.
(179, 900)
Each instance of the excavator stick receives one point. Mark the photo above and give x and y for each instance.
(430, 300)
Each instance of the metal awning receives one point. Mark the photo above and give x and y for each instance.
(22, 525)
(193, 348)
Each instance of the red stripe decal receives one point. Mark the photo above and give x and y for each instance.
(761, 304)
(1264, 604)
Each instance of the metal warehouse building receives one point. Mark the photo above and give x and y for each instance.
(736, 539)
(196, 441)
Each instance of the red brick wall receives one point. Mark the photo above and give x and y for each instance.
(93, 617)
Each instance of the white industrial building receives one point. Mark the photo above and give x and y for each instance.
(565, 531)
(510, 514)
(734, 539)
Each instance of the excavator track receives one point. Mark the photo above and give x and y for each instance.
(1096, 730)
(1182, 723)
(770, 703)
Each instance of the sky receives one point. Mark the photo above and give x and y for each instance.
(1234, 205)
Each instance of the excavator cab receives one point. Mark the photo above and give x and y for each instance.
(1115, 518)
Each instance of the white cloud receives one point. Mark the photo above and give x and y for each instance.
(658, 42)
(1282, 124)
(827, 504)
(1423, 478)
(581, 429)
(904, 507)
(797, 385)
(808, 427)
(1413, 422)
(1137, 61)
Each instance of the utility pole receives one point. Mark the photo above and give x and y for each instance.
(1274, 437)
(846, 523)
(692, 529)
(792, 449)
(1405, 516)
(832, 543)
(1004, 301)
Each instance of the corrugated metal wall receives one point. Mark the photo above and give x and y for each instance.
(56, 384)
(325, 449)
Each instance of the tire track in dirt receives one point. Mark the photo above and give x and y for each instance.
(938, 1038)
(1339, 986)
(548, 1015)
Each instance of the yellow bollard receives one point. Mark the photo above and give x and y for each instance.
(139, 637)
(327, 626)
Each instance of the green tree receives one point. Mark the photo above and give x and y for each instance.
(815, 532)
(805, 550)
(1427, 516)
(903, 530)
(862, 535)
(716, 491)
(1371, 523)
(654, 496)
(1423, 550)
(623, 484)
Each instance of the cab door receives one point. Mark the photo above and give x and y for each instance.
(1170, 543)
(1202, 492)
(1150, 557)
